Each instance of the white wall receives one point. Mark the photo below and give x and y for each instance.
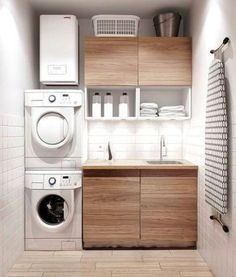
(211, 21)
(18, 71)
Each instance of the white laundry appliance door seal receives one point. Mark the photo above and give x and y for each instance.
(68, 213)
(53, 129)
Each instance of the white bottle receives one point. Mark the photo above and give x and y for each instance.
(108, 105)
(124, 106)
(96, 105)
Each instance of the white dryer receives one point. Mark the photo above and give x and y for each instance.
(53, 210)
(53, 128)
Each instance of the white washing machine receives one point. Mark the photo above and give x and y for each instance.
(53, 203)
(53, 128)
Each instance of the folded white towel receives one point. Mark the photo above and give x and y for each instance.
(149, 105)
(172, 108)
(164, 112)
(146, 110)
(172, 114)
(148, 115)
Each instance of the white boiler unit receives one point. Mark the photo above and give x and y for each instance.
(59, 51)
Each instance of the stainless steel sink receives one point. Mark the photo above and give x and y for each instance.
(163, 162)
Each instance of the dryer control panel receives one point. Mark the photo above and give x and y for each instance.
(53, 180)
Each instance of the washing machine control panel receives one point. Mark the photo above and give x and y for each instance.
(62, 99)
(53, 179)
(62, 181)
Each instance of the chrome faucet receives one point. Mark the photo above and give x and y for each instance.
(162, 148)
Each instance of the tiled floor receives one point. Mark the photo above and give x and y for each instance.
(123, 263)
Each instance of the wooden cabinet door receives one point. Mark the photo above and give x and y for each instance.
(111, 205)
(165, 61)
(169, 205)
(111, 61)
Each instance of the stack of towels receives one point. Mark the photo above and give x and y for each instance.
(172, 111)
(149, 110)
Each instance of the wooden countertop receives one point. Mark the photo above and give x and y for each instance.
(135, 164)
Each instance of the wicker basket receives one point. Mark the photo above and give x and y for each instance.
(115, 25)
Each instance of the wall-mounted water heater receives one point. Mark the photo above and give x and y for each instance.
(59, 51)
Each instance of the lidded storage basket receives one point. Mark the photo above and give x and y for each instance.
(115, 25)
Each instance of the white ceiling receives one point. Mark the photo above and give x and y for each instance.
(88, 8)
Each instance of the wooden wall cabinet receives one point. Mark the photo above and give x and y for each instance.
(169, 206)
(111, 61)
(144, 61)
(165, 61)
(111, 202)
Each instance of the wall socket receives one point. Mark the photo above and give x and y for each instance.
(101, 147)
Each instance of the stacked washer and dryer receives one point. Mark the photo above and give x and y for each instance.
(53, 157)
(53, 142)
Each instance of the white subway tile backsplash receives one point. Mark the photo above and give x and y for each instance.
(11, 189)
(134, 139)
(99, 139)
(147, 139)
(97, 155)
(123, 139)
(173, 128)
(123, 147)
(150, 147)
(147, 129)
(124, 155)
(122, 128)
(100, 128)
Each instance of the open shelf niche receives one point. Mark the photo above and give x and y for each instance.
(116, 92)
(166, 96)
(163, 96)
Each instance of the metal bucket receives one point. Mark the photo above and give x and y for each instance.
(167, 24)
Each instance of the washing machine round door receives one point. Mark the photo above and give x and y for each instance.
(54, 129)
(53, 209)
(54, 213)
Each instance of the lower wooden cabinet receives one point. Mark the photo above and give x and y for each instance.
(169, 207)
(111, 204)
(143, 208)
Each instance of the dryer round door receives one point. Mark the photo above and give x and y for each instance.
(53, 129)
(54, 213)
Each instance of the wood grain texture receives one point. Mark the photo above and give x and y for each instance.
(111, 61)
(111, 173)
(126, 263)
(111, 208)
(165, 61)
(169, 209)
(162, 202)
(166, 172)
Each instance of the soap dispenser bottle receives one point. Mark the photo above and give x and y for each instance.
(108, 105)
(124, 105)
(96, 105)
